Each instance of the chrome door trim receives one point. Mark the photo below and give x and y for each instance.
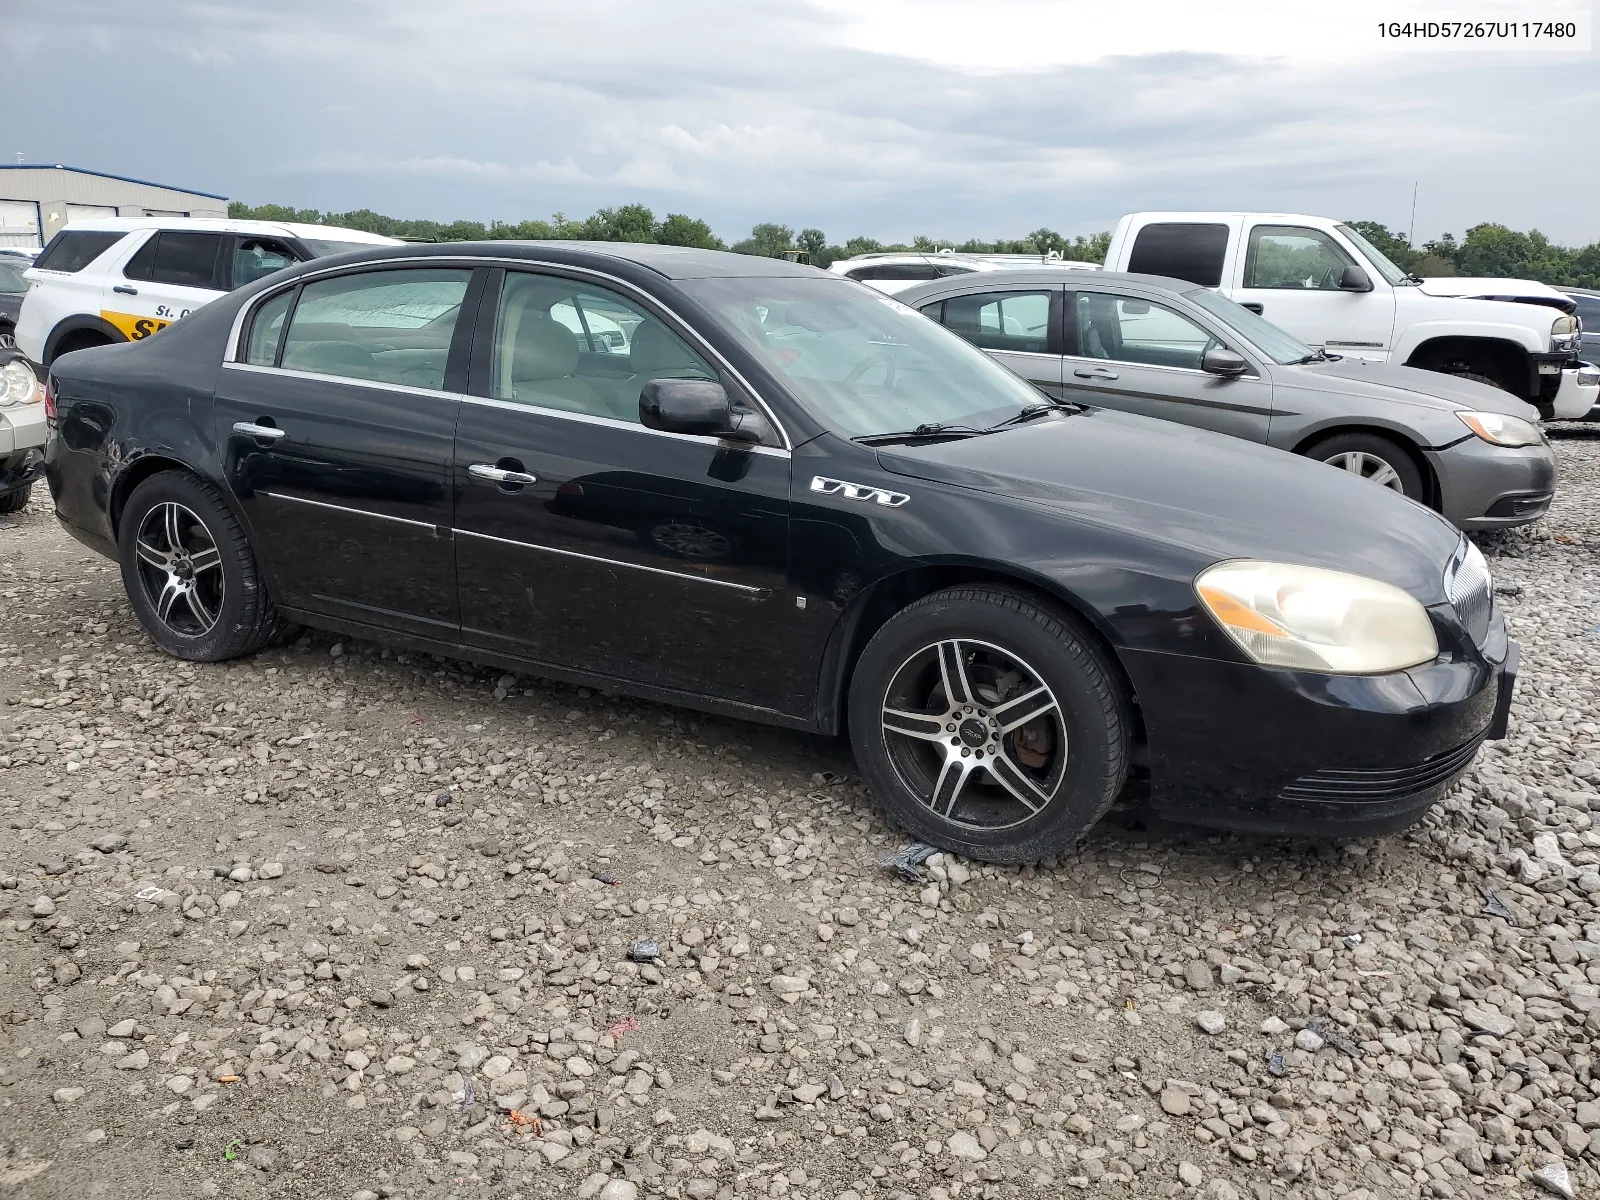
(324, 377)
(757, 593)
(360, 512)
(230, 351)
(619, 423)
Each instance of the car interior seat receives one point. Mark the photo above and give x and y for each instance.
(331, 358)
(657, 354)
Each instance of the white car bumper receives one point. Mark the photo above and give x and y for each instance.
(1579, 392)
(21, 428)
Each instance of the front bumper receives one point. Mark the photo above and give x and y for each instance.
(1490, 487)
(1577, 394)
(1245, 748)
(22, 439)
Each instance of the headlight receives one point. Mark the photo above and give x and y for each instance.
(17, 384)
(1501, 430)
(1310, 619)
(1565, 327)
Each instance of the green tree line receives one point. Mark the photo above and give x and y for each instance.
(1487, 249)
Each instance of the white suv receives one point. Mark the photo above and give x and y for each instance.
(121, 279)
(894, 271)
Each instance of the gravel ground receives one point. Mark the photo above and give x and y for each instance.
(340, 922)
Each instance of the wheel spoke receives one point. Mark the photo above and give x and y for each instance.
(954, 673)
(1384, 475)
(208, 559)
(914, 725)
(206, 616)
(953, 777)
(156, 558)
(1011, 777)
(1021, 709)
(1356, 464)
(170, 594)
(173, 528)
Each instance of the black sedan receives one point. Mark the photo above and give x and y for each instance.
(778, 495)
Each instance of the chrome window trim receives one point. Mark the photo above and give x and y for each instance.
(360, 512)
(230, 352)
(759, 593)
(322, 377)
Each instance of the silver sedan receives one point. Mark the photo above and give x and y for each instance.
(1166, 348)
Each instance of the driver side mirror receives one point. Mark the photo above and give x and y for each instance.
(694, 406)
(1219, 360)
(1355, 279)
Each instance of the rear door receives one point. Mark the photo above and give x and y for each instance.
(1141, 356)
(165, 278)
(1019, 327)
(584, 539)
(338, 427)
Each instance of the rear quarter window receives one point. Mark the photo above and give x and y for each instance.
(1181, 250)
(72, 250)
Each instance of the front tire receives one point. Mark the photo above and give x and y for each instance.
(988, 724)
(17, 500)
(190, 573)
(1374, 458)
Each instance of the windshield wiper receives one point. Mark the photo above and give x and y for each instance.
(1317, 356)
(1037, 410)
(932, 429)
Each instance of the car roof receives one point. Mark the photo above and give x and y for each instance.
(224, 225)
(671, 262)
(1032, 277)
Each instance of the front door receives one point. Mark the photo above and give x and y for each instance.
(169, 276)
(1139, 356)
(585, 540)
(339, 432)
(1291, 277)
(1018, 327)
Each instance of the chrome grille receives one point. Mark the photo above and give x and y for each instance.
(1470, 590)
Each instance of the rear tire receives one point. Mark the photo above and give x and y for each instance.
(988, 724)
(1375, 458)
(17, 500)
(190, 573)
(85, 339)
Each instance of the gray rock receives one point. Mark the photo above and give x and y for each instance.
(1555, 1178)
(1210, 1021)
(1197, 974)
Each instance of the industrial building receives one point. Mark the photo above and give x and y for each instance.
(37, 200)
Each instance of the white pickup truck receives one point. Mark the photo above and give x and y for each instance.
(1326, 284)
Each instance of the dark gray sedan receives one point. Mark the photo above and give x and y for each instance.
(1166, 348)
(12, 288)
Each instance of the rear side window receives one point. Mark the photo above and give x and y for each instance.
(383, 326)
(1001, 320)
(267, 329)
(72, 250)
(892, 271)
(1183, 251)
(179, 259)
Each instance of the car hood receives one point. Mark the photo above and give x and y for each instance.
(1406, 385)
(1488, 288)
(1212, 496)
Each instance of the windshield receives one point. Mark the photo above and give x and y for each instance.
(861, 361)
(1375, 256)
(321, 248)
(11, 279)
(1282, 348)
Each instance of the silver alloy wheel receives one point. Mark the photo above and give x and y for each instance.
(180, 568)
(8, 341)
(691, 541)
(1370, 467)
(976, 734)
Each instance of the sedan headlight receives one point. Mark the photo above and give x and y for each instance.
(18, 385)
(1311, 619)
(1500, 430)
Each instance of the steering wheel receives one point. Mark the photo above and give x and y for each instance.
(872, 360)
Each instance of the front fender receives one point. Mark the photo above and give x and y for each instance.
(1519, 337)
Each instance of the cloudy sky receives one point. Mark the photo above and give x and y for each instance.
(885, 117)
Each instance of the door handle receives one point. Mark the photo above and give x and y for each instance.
(125, 290)
(1094, 373)
(1255, 306)
(497, 475)
(270, 433)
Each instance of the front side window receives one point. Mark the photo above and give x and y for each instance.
(581, 348)
(383, 326)
(1002, 320)
(861, 361)
(177, 259)
(266, 330)
(71, 250)
(1125, 329)
(255, 258)
(1289, 257)
(11, 279)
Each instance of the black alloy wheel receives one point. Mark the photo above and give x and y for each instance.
(189, 571)
(988, 723)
